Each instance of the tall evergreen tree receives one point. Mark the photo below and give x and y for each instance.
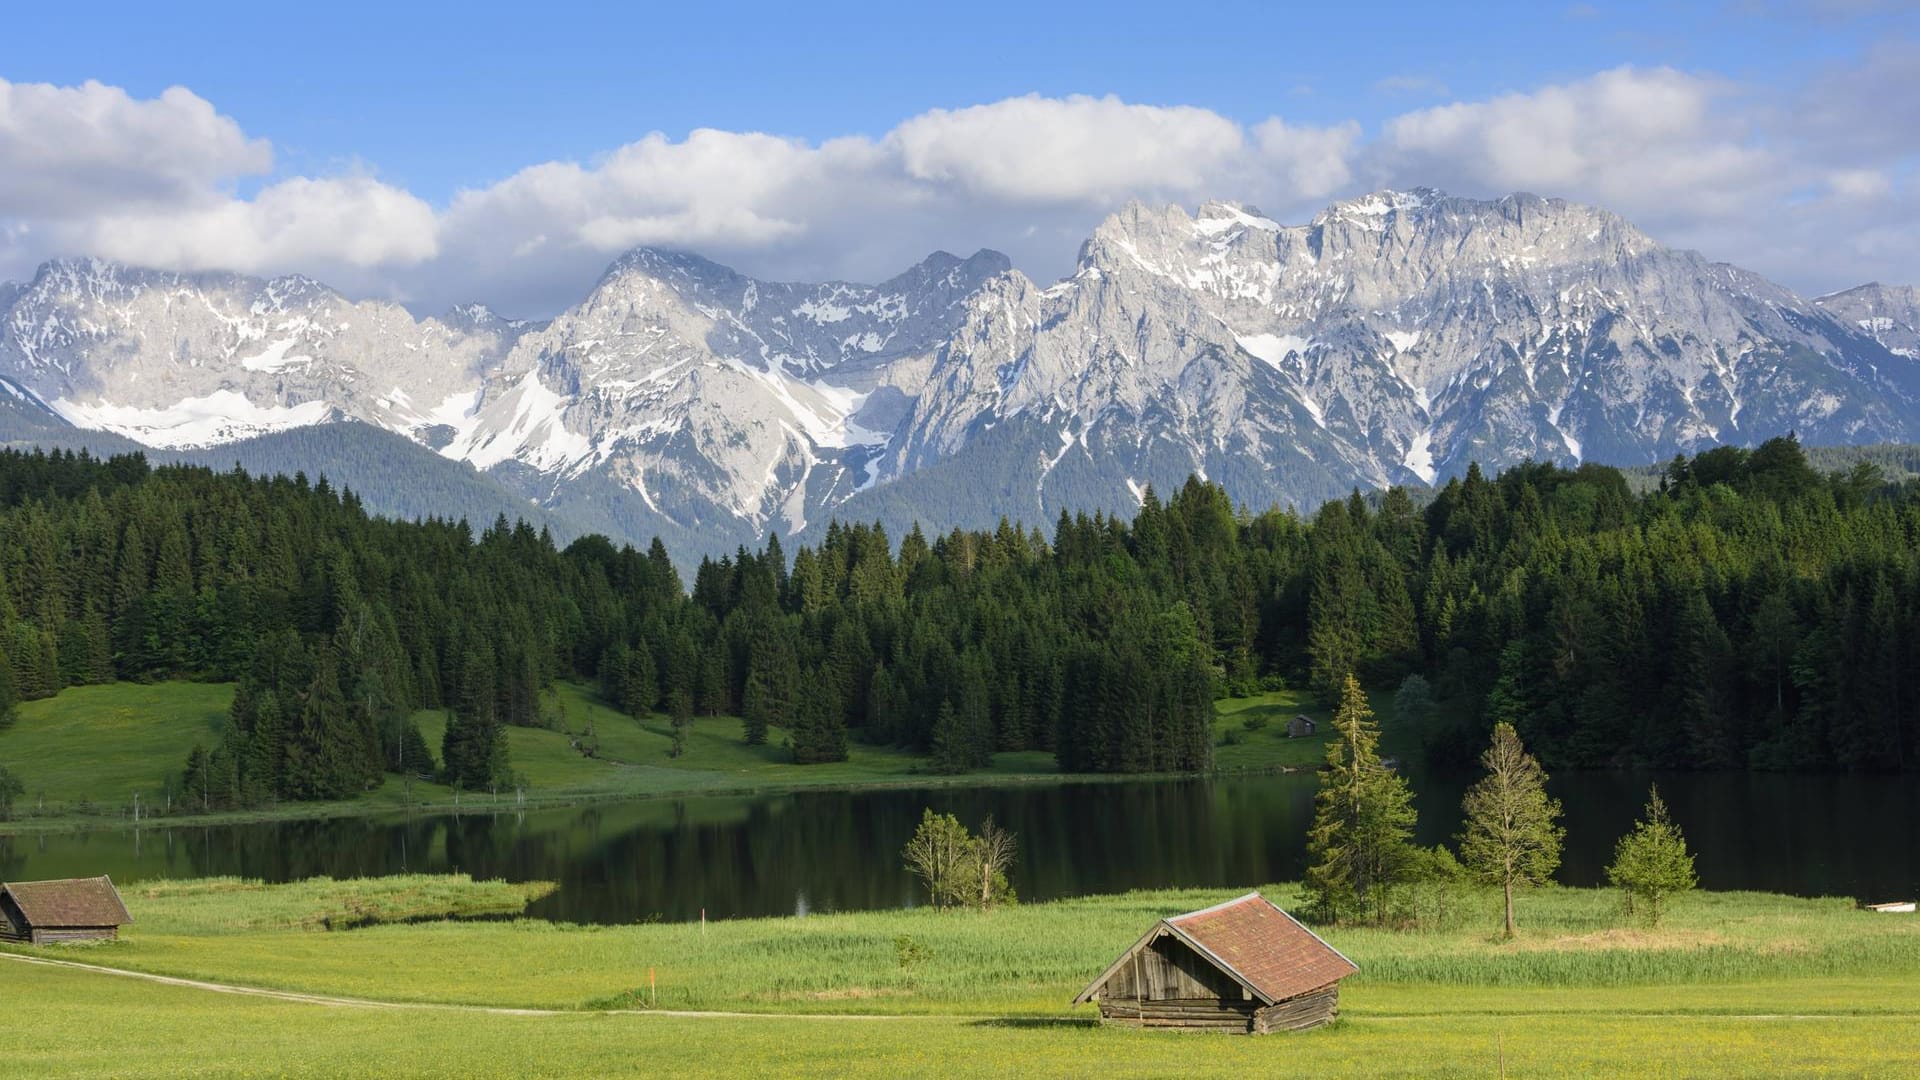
(1361, 841)
(819, 732)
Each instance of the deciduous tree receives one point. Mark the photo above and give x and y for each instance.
(1512, 834)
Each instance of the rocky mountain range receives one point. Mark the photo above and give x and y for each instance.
(1890, 314)
(1393, 338)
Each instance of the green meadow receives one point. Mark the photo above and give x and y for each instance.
(97, 745)
(84, 754)
(1732, 983)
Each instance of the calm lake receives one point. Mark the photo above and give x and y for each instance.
(827, 851)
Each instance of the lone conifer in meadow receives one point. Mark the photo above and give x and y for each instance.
(1512, 836)
(1651, 864)
(1360, 844)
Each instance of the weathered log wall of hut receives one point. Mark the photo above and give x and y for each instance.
(75, 933)
(1211, 1014)
(1298, 1014)
(1199, 1014)
(13, 925)
(1169, 970)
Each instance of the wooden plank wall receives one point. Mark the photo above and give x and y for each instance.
(1166, 969)
(75, 933)
(1199, 1014)
(12, 926)
(1211, 1014)
(1300, 1013)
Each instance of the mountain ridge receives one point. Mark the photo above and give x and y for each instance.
(1393, 338)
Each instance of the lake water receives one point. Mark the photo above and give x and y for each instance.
(825, 851)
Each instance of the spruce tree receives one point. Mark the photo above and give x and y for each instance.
(1651, 864)
(1512, 836)
(415, 758)
(641, 688)
(948, 753)
(1361, 842)
(679, 719)
(772, 678)
(819, 731)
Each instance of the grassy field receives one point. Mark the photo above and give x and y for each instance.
(84, 753)
(1741, 984)
(100, 744)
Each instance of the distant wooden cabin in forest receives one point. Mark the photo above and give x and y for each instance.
(71, 909)
(1244, 966)
(1300, 727)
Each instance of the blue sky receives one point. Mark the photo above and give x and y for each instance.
(411, 105)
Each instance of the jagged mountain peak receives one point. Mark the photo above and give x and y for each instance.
(672, 266)
(943, 268)
(479, 318)
(1890, 314)
(1392, 337)
(1384, 203)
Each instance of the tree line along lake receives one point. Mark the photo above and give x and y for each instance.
(791, 854)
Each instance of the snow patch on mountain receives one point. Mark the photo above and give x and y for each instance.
(274, 357)
(1274, 348)
(220, 417)
(1419, 457)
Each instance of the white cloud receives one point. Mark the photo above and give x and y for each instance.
(1860, 183)
(92, 170)
(311, 225)
(1800, 183)
(1029, 175)
(1812, 183)
(1308, 162)
(69, 151)
(1075, 149)
(1626, 136)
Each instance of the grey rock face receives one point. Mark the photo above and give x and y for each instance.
(176, 360)
(1392, 339)
(1890, 314)
(1395, 338)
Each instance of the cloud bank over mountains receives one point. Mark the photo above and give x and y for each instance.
(1814, 184)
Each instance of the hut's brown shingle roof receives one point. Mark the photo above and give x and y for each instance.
(1251, 939)
(1265, 946)
(69, 902)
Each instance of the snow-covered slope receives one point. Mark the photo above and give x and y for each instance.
(1393, 338)
(177, 360)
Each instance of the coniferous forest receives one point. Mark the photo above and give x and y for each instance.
(1749, 612)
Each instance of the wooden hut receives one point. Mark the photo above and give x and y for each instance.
(1243, 966)
(1300, 727)
(72, 909)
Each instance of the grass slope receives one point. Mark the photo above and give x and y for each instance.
(101, 744)
(90, 748)
(1742, 984)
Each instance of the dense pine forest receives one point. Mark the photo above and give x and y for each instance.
(1746, 612)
